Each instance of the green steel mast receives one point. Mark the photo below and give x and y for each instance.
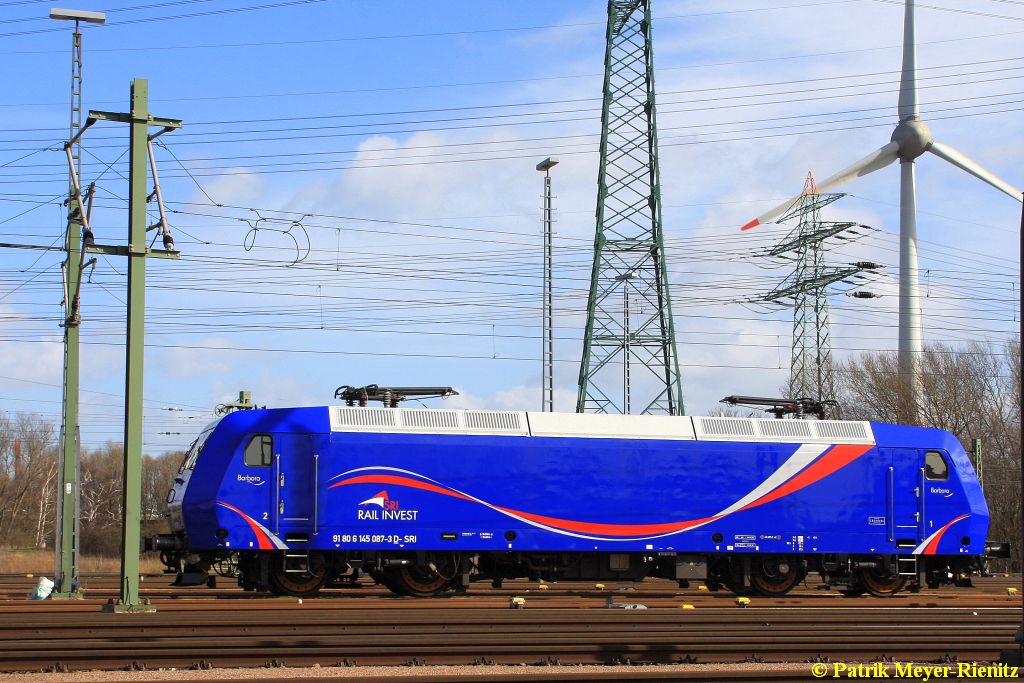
(140, 150)
(629, 316)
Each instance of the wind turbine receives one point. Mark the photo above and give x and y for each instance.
(911, 139)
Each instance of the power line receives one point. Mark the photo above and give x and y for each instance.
(192, 15)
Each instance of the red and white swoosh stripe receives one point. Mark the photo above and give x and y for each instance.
(803, 456)
(930, 545)
(265, 539)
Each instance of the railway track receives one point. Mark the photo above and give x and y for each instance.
(989, 591)
(497, 674)
(565, 624)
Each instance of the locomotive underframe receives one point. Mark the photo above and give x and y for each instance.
(431, 572)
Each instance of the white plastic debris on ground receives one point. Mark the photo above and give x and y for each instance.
(42, 589)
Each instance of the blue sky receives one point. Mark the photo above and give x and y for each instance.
(378, 217)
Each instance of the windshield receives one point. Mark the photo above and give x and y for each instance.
(197, 446)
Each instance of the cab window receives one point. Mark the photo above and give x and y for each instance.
(260, 451)
(935, 467)
(197, 446)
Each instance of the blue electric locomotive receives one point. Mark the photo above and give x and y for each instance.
(428, 500)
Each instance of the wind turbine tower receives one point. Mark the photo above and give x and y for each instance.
(629, 318)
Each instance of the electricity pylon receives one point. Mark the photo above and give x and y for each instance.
(811, 371)
(629, 256)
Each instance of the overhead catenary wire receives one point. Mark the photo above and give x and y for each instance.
(746, 98)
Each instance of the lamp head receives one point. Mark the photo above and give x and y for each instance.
(78, 15)
(547, 164)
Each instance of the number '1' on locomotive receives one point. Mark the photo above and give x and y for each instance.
(426, 500)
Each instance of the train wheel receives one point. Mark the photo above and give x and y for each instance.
(300, 584)
(436, 576)
(385, 579)
(775, 575)
(881, 584)
(421, 582)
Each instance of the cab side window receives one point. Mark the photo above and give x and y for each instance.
(260, 451)
(935, 467)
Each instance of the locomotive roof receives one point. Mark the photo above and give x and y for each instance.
(585, 425)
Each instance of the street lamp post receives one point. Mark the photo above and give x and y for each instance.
(547, 383)
(66, 543)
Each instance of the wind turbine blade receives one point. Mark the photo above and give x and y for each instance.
(878, 159)
(959, 160)
(908, 107)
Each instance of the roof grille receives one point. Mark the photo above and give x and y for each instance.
(843, 431)
(492, 421)
(431, 419)
(796, 428)
(427, 420)
(726, 426)
(365, 417)
(781, 431)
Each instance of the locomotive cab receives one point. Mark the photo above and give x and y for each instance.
(248, 484)
(172, 547)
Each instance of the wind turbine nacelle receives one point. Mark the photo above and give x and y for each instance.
(914, 138)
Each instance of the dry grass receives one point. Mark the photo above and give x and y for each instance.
(40, 563)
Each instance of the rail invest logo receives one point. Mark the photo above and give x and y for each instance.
(389, 509)
(383, 501)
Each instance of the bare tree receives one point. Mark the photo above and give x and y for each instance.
(27, 457)
(157, 479)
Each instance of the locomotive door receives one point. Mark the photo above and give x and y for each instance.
(296, 475)
(904, 496)
(935, 488)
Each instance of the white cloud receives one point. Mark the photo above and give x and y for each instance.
(195, 363)
(36, 362)
(237, 185)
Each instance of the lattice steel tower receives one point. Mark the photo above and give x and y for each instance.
(634, 329)
(811, 370)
